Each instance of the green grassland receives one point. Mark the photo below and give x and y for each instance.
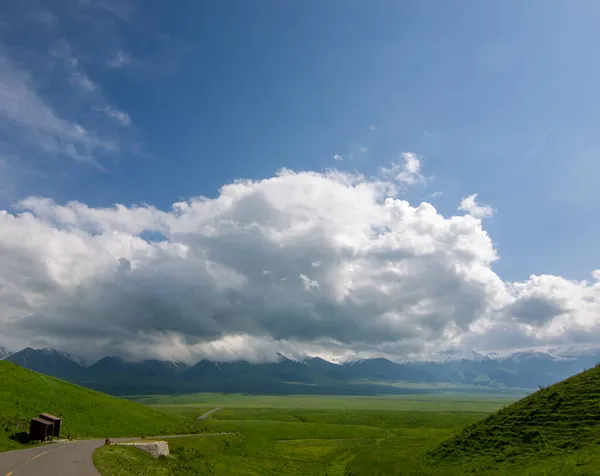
(301, 442)
(555, 431)
(302, 435)
(24, 394)
(558, 426)
(441, 402)
(331, 442)
(129, 461)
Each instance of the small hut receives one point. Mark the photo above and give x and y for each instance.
(56, 421)
(40, 429)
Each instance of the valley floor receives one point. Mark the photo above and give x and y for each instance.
(299, 435)
(296, 435)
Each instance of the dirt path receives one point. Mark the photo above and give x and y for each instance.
(209, 413)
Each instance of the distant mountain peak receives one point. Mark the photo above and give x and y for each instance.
(456, 355)
(522, 356)
(573, 352)
(111, 358)
(320, 360)
(348, 359)
(46, 352)
(285, 358)
(47, 361)
(4, 353)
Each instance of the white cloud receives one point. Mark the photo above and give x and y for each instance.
(308, 283)
(376, 257)
(79, 79)
(325, 263)
(62, 51)
(469, 205)
(407, 171)
(337, 158)
(120, 60)
(82, 81)
(121, 117)
(372, 127)
(362, 148)
(544, 311)
(122, 9)
(30, 121)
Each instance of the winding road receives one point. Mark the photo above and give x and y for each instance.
(72, 458)
(68, 459)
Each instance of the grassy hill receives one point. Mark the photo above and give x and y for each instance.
(24, 394)
(555, 427)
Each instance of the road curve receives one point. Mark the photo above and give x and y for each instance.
(72, 458)
(68, 459)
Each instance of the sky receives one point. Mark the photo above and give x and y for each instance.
(231, 179)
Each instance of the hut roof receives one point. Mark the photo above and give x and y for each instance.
(43, 422)
(48, 416)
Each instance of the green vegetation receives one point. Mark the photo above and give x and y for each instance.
(24, 394)
(299, 441)
(556, 427)
(388, 420)
(462, 402)
(129, 461)
(555, 431)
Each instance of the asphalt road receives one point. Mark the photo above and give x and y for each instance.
(62, 459)
(57, 459)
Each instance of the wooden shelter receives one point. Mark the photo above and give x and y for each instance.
(40, 429)
(56, 421)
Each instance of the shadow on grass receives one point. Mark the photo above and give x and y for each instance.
(22, 437)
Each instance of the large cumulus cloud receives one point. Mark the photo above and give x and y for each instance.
(319, 263)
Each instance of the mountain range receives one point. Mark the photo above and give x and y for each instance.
(452, 369)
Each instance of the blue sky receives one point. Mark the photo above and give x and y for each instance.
(499, 99)
(137, 103)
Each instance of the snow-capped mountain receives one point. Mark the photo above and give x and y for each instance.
(351, 373)
(4, 353)
(456, 355)
(346, 359)
(528, 356)
(284, 358)
(572, 352)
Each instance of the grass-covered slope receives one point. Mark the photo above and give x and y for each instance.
(86, 413)
(559, 421)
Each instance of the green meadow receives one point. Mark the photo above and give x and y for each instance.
(554, 431)
(439, 402)
(304, 435)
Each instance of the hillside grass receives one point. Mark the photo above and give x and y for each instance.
(25, 394)
(561, 422)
